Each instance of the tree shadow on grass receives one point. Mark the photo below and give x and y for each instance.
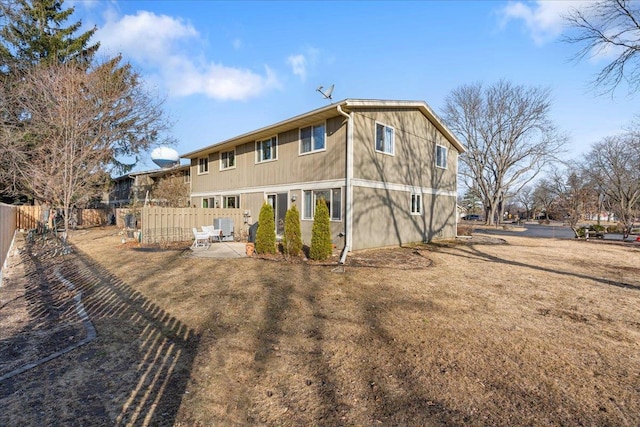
(134, 372)
(474, 251)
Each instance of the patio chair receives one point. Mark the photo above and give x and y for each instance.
(200, 238)
(214, 233)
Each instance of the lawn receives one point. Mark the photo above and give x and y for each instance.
(480, 332)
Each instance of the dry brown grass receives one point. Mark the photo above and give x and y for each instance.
(529, 332)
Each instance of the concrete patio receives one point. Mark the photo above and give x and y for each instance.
(221, 250)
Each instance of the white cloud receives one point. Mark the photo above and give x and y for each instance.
(218, 81)
(302, 63)
(544, 20)
(298, 65)
(168, 48)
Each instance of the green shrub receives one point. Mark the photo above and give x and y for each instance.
(613, 229)
(266, 233)
(292, 239)
(598, 228)
(321, 246)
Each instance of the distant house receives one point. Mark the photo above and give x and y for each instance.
(138, 187)
(387, 170)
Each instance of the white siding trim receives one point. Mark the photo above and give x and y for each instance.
(379, 185)
(315, 185)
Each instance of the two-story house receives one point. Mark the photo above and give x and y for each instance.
(386, 169)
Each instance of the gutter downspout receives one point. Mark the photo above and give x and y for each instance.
(348, 197)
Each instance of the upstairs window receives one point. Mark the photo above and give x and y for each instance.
(228, 159)
(187, 176)
(312, 138)
(384, 138)
(267, 150)
(441, 156)
(203, 165)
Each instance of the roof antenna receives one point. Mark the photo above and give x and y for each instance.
(327, 93)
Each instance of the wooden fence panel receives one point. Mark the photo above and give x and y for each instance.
(175, 224)
(29, 217)
(8, 224)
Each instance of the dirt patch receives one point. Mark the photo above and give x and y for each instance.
(477, 331)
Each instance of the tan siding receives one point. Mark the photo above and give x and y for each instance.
(382, 218)
(413, 162)
(290, 166)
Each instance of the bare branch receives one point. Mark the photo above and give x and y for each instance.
(606, 28)
(508, 135)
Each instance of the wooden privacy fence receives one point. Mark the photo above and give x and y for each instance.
(32, 217)
(7, 229)
(160, 225)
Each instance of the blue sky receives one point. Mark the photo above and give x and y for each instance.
(227, 68)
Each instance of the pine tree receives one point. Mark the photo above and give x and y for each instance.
(292, 239)
(266, 234)
(34, 34)
(321, 246)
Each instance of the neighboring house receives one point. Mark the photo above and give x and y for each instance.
(386, 169)
(138, 187)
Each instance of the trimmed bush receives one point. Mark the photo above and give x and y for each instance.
(321, 247)
(266, 233)
(292, 239)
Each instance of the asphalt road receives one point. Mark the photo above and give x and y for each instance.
(545, 231)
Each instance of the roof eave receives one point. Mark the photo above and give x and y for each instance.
(345, 104)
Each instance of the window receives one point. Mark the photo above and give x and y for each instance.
(228, 159)
(231, 202)
(203, 165)
(209, 202)
(416, 204)
(312, 139)
(332, 197)
(384, 138)
(267, 150)
(187, 176)
(441, 156)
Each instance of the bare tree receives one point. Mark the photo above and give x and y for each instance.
(82, 123)
(606, 28)
(574, 195)
(615, 167)
(508, 135)
(526, 198)
(13, 149)
(544, 196)
(171, 190)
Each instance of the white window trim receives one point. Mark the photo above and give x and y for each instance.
(224, 200)
(312, 151)
(314, 201)
(418, 196)
(206, 159)
(275, 150)
(446, 154)
(393, 141)
(235, 160)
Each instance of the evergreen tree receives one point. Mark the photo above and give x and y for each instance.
(292, 239)
(321, 246)
(34, 33)
(266, 234)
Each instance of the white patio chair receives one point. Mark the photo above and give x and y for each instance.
(200, 238)
(214, 233)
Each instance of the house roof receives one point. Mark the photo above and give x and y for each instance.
(326, 112)
(154, 172)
